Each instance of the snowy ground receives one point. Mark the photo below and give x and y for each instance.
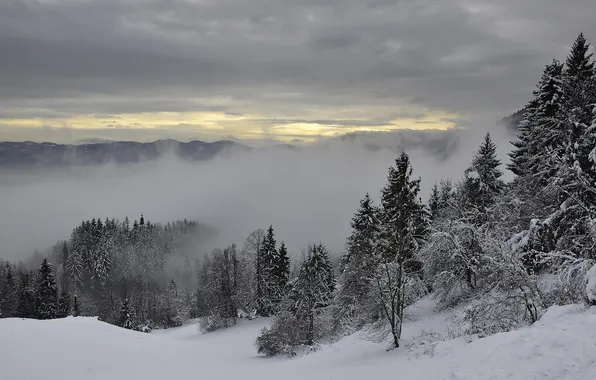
(560, 346)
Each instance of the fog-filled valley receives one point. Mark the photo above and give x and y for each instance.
(307, 193)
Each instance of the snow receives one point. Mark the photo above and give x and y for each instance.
(562, 345)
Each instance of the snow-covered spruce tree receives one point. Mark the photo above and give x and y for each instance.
(482, 181)
(281, 274)
(268, 301)
(298, 322)
(126, 319)
(64, 308)
(434, 201)
(8, 292)
(404, 226)
(578, 86)
(47, 293)
(358, 265)
(541, 127)
(27, 293)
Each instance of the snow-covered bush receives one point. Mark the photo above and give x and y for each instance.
(452, 261)
(508, 297)
(214, 322)
(284, 337)
(568, 283)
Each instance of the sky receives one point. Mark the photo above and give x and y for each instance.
(289, 70)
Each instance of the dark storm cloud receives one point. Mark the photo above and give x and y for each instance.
(280, 56)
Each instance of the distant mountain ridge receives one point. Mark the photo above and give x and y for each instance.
(32, 154)
(441, 144)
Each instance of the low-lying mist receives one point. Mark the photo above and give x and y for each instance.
(308, 194)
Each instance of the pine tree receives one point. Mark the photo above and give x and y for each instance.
(358, 263)
(579, 84)
(579, 63)
(313, 290)
(8, 294)
(403, 231)
(281, 272)
(126, 317)
(541, 126)
(482, 181)
(63, 304)
(26, 294)
(47, 296)
(269, 259)
(434, 201)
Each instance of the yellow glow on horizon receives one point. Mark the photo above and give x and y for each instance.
(215, 125)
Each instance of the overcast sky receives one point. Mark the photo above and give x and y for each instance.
(281, 69)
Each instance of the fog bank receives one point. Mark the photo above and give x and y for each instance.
(307, 194)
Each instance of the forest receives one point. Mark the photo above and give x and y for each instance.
(502, 251)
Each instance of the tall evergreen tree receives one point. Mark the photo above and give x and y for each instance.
(482, 181)
(269, 259)
(579, 84)
(403, 230)
(541, 126)
(47, 293)
(281, 272)
(359, 262)
(579, 62)
(27, 292)
(313, 289)
(434, 201)
(63, 309)
(8, 293)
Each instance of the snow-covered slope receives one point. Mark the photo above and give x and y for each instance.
(561, 346)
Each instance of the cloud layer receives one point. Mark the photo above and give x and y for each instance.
(265, 62)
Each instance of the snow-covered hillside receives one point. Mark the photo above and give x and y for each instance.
(562, 345)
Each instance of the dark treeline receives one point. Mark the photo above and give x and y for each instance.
(500, 252)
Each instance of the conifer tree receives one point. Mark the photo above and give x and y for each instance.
(434, 201)
(63, 304)
(359, 262)
(281, 272)
(269, 258)
(26, 294)
(8, 294)
(579, 84)
(313, 290)
(126, 317)
(403, 229)
(482, 181)
(541, 127)
(47, 294)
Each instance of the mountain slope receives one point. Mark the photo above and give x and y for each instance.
(560, 346)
